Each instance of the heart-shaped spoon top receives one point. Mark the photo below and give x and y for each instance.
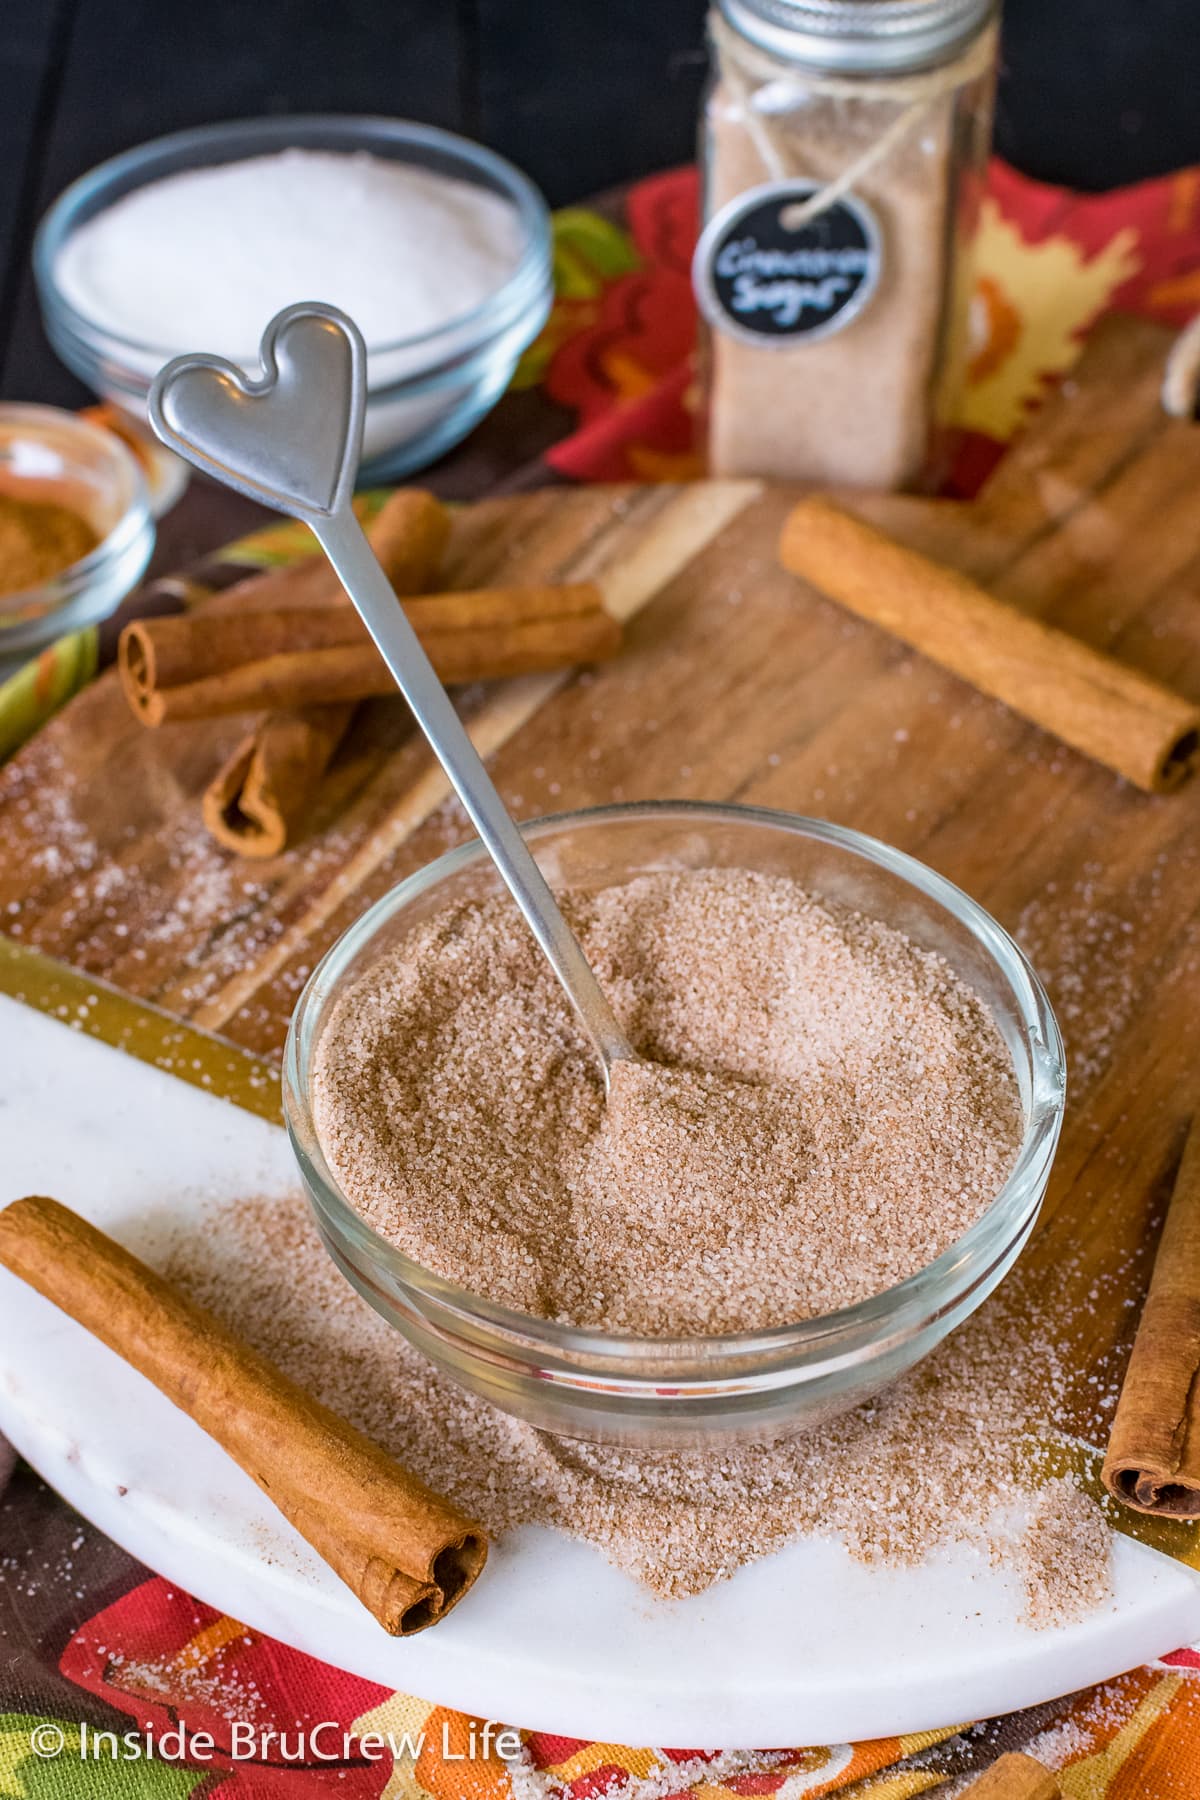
(292, 440)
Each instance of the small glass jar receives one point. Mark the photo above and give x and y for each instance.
(844, 148)
(47, 454)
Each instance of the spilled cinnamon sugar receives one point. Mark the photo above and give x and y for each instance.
(954, 1453)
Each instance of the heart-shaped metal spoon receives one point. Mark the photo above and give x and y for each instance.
(292, 440)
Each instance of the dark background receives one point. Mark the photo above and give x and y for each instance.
(583, 94)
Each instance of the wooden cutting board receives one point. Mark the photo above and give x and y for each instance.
(740, 683)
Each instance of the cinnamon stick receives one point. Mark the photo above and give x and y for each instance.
(409, 535)
(198, 667)
(1153, 1460)
(259, 795)
(1015, 1777)
(407, 1554)
(1111, 713)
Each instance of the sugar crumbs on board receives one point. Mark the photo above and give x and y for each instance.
(825, 1109)
(949, 1455)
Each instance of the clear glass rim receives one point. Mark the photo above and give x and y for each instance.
(69, 583)
(359, 131)
(930, 1291)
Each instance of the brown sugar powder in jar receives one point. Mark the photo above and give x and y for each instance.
(829, 1107)
(843, 148)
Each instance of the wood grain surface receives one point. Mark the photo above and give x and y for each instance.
(739, 683)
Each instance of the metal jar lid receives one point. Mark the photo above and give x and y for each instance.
(859, 37)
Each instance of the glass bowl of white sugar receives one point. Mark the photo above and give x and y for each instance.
(437, 248)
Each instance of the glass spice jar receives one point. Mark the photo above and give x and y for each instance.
(844, 148)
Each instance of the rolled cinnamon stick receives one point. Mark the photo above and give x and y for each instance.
(490, 633)
(1118, 717)
(407, 1554)
(259, 795)
(409, 535)
(197, 667)
(193, 665)
(1153, 1460)
(1015, 1777)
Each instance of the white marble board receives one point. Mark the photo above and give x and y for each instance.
(807, 1647)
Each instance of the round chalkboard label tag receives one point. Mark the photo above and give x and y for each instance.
(764, 279)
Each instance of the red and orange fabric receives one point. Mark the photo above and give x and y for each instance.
(238, 1715)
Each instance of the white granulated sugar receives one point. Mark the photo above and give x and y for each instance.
(205, 258)
(825, 1110)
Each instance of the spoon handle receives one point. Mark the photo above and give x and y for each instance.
(345, 544)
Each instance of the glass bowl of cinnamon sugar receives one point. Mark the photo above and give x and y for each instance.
(898, 1084)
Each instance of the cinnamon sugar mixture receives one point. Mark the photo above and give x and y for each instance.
(826, 1110)
(952, 1453)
